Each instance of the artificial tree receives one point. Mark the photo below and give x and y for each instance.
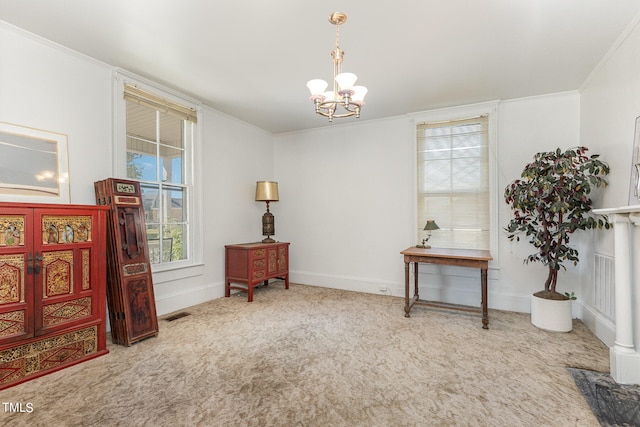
(550, 203)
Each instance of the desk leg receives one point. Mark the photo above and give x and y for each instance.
(415, 280)
(407, 305)
(485, 305)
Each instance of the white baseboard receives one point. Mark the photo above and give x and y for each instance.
(347, 283)
(189, 297)
(600, 325)
(465, 296)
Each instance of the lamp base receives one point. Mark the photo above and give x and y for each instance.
(268, 226)
(424, 245)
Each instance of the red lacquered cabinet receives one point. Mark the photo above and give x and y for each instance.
(52, 288)
(250, 264)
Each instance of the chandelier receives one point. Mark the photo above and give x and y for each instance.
(345, 99)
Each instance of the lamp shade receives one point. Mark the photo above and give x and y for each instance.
(359, 94)
(431, 225)
(267, 191)
(329, 96)
(346, 80)
(317, 86)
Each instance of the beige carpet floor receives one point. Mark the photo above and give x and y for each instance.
(312, 356)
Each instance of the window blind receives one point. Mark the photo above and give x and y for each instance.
(147, 99)
(453, 182)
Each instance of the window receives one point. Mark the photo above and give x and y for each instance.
(453, 182)
(157, 133)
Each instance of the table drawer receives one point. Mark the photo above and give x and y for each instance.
(258, 253)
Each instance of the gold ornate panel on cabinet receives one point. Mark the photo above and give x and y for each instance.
(52, 288)
(249, 264)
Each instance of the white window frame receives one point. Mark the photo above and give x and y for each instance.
(193, 171)
(460, 113)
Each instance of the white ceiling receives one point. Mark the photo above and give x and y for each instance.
(251, 59)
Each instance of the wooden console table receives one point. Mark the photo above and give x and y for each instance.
(456, 257)
(250, 264)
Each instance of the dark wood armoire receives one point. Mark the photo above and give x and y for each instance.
(52, 288)
(130, 296)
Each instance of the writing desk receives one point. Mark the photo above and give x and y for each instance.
(456, 257)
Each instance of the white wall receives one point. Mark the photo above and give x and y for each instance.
(46, 86)
(43, 88)
(344, 203)
(610, 103)
(527, 126)
(348, 203)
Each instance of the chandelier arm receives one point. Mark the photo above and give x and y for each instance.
(349, 114)
(331, 109)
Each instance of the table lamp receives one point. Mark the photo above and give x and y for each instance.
(267, 191)
(429, 227)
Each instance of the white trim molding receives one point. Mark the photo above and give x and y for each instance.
(195, 170)
(489, 108)
(625, 353)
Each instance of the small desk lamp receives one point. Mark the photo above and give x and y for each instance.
(267, 191)
(429, 226)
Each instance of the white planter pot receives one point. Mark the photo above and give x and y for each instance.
(551, 315)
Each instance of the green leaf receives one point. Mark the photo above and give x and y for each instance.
(551, 202)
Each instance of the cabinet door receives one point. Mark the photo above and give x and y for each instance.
(65, 248)
(16, 282)
(272, 261)
(283, 259)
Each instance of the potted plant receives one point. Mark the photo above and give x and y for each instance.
(550, 202)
